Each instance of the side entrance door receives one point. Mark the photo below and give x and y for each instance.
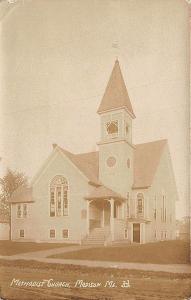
(136, 233)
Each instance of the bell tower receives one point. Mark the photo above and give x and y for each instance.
(115, 146)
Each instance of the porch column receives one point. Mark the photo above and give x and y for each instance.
(112, 218)
(131, 232)
(145, 207)
(103, 216)
(135, 207)
(88, 215)
(124, 210)
(142, 233)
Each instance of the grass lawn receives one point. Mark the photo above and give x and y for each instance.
(167, 252)
(11, 248)
(143, 285)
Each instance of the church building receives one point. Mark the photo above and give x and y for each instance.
(121, 193)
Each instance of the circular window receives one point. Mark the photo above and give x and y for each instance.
(111, 161)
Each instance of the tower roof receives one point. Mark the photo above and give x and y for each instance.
(116, 95)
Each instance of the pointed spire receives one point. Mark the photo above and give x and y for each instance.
(116, 95)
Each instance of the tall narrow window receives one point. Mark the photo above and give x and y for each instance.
(155, 209)
(19, 212)
(52, 203)
(163, 210)
(22, 233)
(24, 210)
(52, 233)
(126, 233)
(65, 233)
(128, 163)
(155, 213)
(140, 200)
(58, 197)
(65, 203)
(126, 128)
(59, 201)
(128, 210)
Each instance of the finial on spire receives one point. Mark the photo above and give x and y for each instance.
(115, 46)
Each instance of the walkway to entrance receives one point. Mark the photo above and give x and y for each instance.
(41, 256)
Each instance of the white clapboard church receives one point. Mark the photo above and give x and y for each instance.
(123, 192)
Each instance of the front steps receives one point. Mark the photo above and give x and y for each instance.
(97, 236)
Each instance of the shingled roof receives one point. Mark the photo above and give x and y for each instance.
(116, 95)
(146, 160)
(21, 195)
(87, 163)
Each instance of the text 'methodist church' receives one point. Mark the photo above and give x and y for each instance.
(121, 193)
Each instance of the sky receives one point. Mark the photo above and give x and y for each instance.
(56, 57)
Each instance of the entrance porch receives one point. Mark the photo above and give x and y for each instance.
(99, 214)
(105, 215)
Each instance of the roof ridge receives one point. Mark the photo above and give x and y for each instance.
(82, 165)
(65, 150)
(86, 152)
(150, 142)
(74, 154)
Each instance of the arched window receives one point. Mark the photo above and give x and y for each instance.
(112, 127)
(59, 196)
(140, 203)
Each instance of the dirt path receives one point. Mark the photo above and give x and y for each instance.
(49, 252)
(40, 257)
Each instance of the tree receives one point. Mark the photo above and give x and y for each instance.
(8, 184)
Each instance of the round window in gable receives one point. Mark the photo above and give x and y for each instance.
(128, 163)
(111, 161)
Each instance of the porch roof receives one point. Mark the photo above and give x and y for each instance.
(103, 192)
(21, 195)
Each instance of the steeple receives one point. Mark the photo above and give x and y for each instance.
(116, 148)
(116, 95)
